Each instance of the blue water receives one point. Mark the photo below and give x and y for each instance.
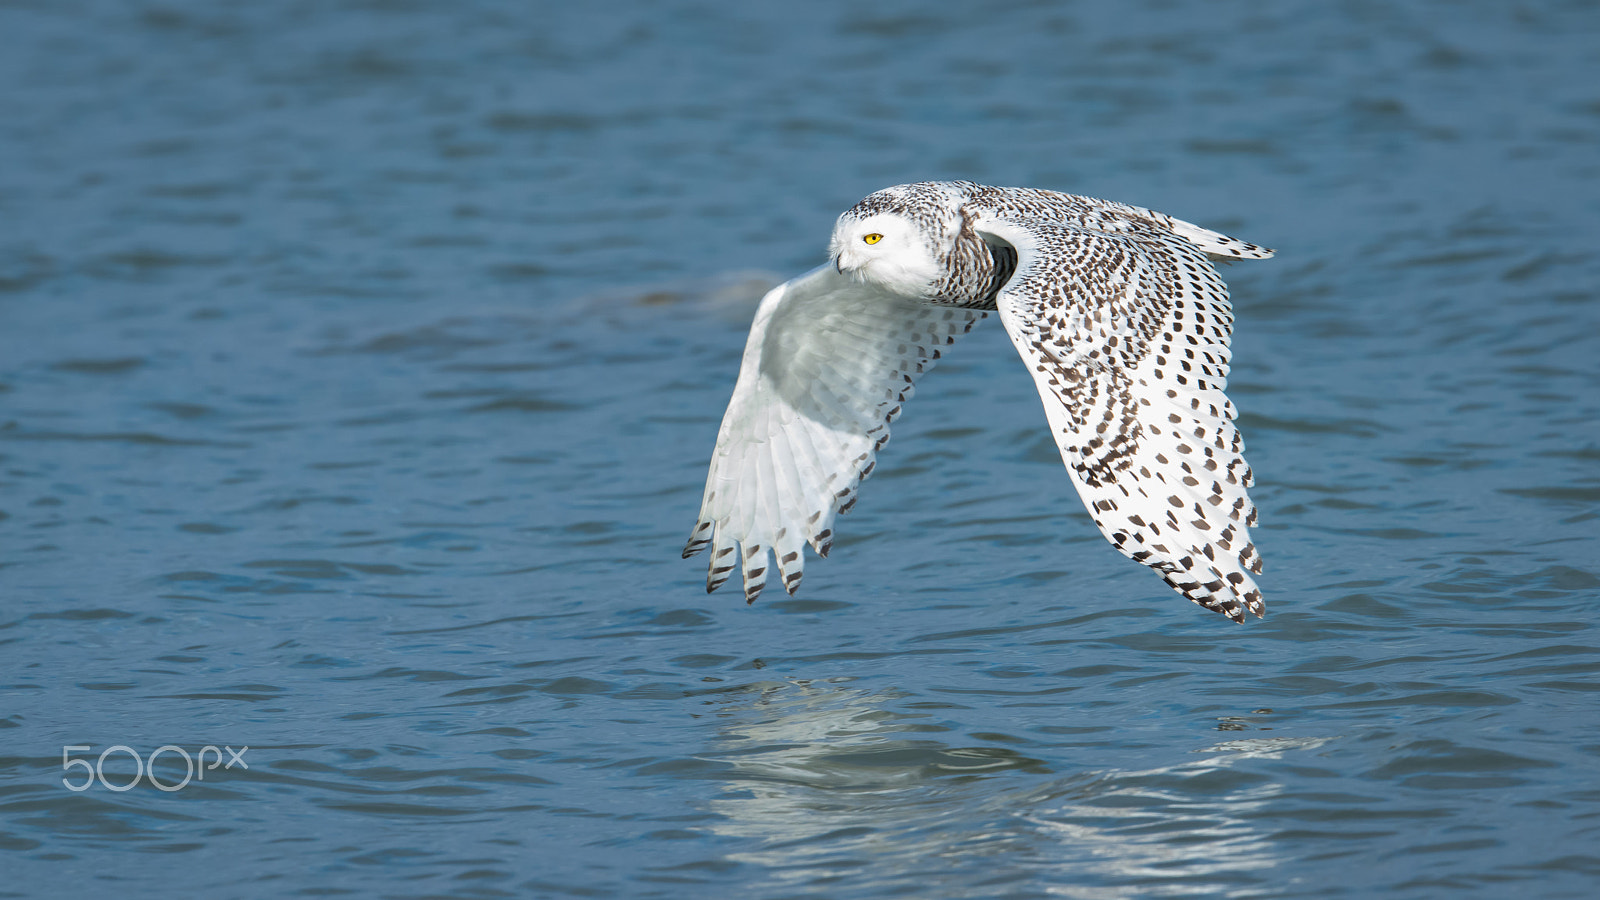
(360, 363)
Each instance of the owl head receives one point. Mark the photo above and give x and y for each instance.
(898, 238)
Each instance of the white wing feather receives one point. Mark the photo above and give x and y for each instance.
(1126, 336)
(828, 363)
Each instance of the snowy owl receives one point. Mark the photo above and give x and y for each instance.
(1117, 313)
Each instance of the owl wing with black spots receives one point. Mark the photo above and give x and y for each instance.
(1126, 336)
(828, 363)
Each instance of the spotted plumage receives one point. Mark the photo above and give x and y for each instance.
(1119, 316)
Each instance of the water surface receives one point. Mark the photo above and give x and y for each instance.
(360, 362)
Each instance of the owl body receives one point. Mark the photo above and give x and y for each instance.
(1116, 310)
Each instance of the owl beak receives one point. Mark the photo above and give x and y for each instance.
(838, 263)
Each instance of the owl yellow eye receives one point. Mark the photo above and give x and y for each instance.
(872, 238)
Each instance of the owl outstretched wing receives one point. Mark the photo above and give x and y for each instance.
(1126, 336)
(828, 363)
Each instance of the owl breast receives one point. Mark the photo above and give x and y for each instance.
(974, 270)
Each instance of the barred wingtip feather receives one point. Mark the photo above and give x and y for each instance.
(721, 564)
(822, 542)
(699, 540)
